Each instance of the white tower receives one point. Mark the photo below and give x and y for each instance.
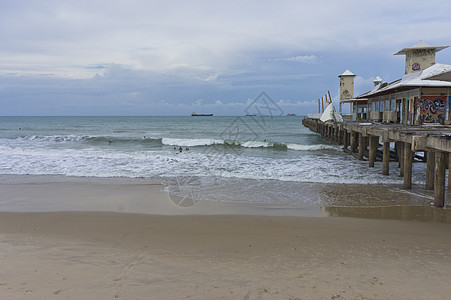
(346, 85)
(377, 81)
(420, 56)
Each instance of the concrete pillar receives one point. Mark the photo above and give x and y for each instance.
(353, 141)
(430, 166)
(361, 146)
(401, 159)
(345, 138)
(439, 179)
(337, 134)
(386, 158)
(374, 142)
(408, 155)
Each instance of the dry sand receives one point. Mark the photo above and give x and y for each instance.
(110, 255)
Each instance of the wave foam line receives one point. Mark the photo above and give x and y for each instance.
(199, 142)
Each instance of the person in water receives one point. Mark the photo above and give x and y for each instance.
(180, 149)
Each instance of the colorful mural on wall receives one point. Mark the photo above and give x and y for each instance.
(432, 109)
(345, 95)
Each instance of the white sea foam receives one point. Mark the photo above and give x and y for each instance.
(191, 142)
(256, 144)
(53, 138)
(312, 147)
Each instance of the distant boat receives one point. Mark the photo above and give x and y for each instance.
(250, 115)
(201, 115)
(291, 115)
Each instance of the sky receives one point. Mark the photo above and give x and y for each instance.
(144, 57)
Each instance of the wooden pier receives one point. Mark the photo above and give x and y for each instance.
(370, 141)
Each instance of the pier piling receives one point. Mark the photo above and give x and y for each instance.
(401, 159)
(386, 158)
(430, 165)
(408, 157)
(439, 179)
(435, 142)
(353, 141)
(361, 146)
(374, 142)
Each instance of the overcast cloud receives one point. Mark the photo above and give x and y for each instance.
(174, 57)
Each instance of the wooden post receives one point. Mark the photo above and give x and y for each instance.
(330, 98)
(319, 106)
(401, 159)
(361, 146)
(439, 180)
(408, 165)
(430, 165)
(386, 158)
(322, 103)
(374, 141)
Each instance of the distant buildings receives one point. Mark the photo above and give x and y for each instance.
(422, 95)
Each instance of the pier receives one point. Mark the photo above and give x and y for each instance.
(370, 141)
(412, 113)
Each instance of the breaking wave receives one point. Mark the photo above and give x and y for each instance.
(179, 142)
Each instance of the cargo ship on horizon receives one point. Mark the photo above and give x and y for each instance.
(201, 115)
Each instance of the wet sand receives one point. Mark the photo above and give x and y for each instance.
(219, 254)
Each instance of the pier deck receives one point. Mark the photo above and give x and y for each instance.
(363, 139)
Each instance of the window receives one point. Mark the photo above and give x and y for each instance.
(393, 104)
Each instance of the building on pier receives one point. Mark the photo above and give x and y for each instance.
(422, 95)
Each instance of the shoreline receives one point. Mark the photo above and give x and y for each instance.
(57, 193)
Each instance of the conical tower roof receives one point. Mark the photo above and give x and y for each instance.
(420, 45)
(347, 73)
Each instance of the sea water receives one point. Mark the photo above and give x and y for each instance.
(241, 158)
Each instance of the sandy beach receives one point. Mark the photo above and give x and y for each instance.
(167, 252)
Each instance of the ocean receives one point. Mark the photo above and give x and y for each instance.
(270, 160)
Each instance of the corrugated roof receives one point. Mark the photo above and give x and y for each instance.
(425, 78)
